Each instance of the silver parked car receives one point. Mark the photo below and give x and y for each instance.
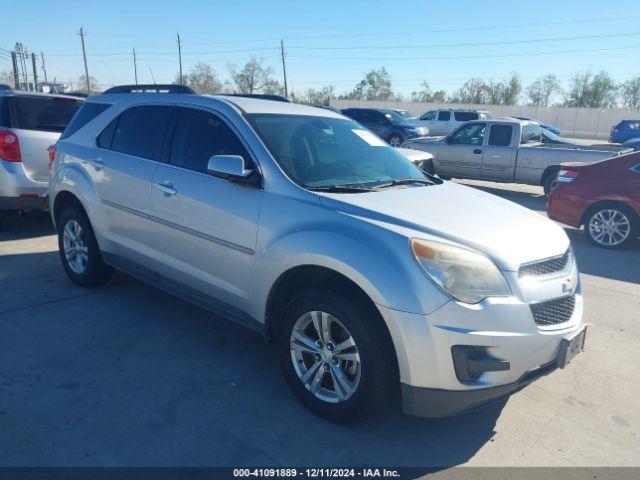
(29, 124)
(297, 222)
(443, 121)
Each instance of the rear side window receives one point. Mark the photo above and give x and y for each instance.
(465, 116)
(198, 136)
(141, 131)
(84, 115)
(49, 114)
(444, 116)
(5, 118)
(531, 133)
(500, 135)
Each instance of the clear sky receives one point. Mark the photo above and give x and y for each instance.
(333, 42)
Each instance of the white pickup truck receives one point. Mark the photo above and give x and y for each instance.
(501, 150)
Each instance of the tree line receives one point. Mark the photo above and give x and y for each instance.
(584, 89)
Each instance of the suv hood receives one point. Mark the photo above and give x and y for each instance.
(506, 232)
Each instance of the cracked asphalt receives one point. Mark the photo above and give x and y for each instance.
(127, 375)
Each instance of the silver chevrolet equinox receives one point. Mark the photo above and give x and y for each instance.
(370, 276)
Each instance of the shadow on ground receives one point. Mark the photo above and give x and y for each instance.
(14, 226)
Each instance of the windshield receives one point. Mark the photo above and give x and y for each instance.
(405, 113)
(393, 116)
(549, 136)
(330, 152)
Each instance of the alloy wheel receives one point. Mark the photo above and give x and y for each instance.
(609, 227)
(325, 357)
(76, 251)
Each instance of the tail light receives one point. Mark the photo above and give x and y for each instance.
(51, 150)
(567, 176)
(9, 146)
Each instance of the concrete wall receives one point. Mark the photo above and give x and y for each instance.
(573, 122)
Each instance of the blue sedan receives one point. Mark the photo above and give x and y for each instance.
(387, 124)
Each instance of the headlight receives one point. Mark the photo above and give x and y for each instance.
(468, 276)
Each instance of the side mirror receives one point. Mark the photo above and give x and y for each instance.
(232, 168)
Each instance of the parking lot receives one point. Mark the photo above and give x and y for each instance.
(128, 375)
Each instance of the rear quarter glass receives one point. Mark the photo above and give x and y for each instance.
(84, 115)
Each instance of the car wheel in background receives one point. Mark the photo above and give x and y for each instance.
(550, 181)
(79, 250)
(336, 356)
(395, 140)
(611, 225)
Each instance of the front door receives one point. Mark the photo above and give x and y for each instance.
(461, 155)
(205, 227)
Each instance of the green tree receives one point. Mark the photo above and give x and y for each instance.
(202, 78)
(426, 95)
(630, 93)
(376, 85)
(542, 91)
(591, 91)
(473, 90)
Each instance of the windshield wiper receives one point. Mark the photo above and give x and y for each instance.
(405, 181)
(340, 189)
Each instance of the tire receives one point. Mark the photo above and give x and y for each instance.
(82, 259)
(370, 373)
(610, 237)
(395, 140)
(549, 182)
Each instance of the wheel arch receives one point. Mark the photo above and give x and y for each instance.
(550, 170)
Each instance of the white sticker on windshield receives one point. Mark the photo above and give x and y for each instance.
(370, 138)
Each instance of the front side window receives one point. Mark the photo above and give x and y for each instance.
(48, 114)
(428, 116)
(444, 116)
(465, 116)
(329, 152)
(198, 136)
(468, 135)
(500, 135)
(141, 131)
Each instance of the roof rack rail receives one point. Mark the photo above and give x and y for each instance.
(262, 96)
(149, 88)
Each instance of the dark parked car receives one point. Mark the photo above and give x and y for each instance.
(551, 128)
(625, 130)
(603, 196)
(387, 124)
(633, 143)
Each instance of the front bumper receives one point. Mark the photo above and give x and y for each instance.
(503, 328)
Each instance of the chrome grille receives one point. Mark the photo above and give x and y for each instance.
(554, 311)
(544, 267)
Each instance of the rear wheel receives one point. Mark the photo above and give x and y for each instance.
(335, 356)
(611, 225)
(79, 250)
(550, 181)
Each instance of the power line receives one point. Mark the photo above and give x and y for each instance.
(469, 57)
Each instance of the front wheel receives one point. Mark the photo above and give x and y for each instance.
(336, 356)
(610, 225)
(395, 140)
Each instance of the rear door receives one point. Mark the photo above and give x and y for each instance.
(38, 122)
(128, 153)
(498, 155)
(204, 228)
(461, 155)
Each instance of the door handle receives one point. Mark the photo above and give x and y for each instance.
(98, 164)
(477, 151)
(166, 188)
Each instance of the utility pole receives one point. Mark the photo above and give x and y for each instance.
(44, 68)
(135, 66)
(35, 72)
(284, 69)
(21, 51)
(180, 59)
(84, 56)
(16, 75)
